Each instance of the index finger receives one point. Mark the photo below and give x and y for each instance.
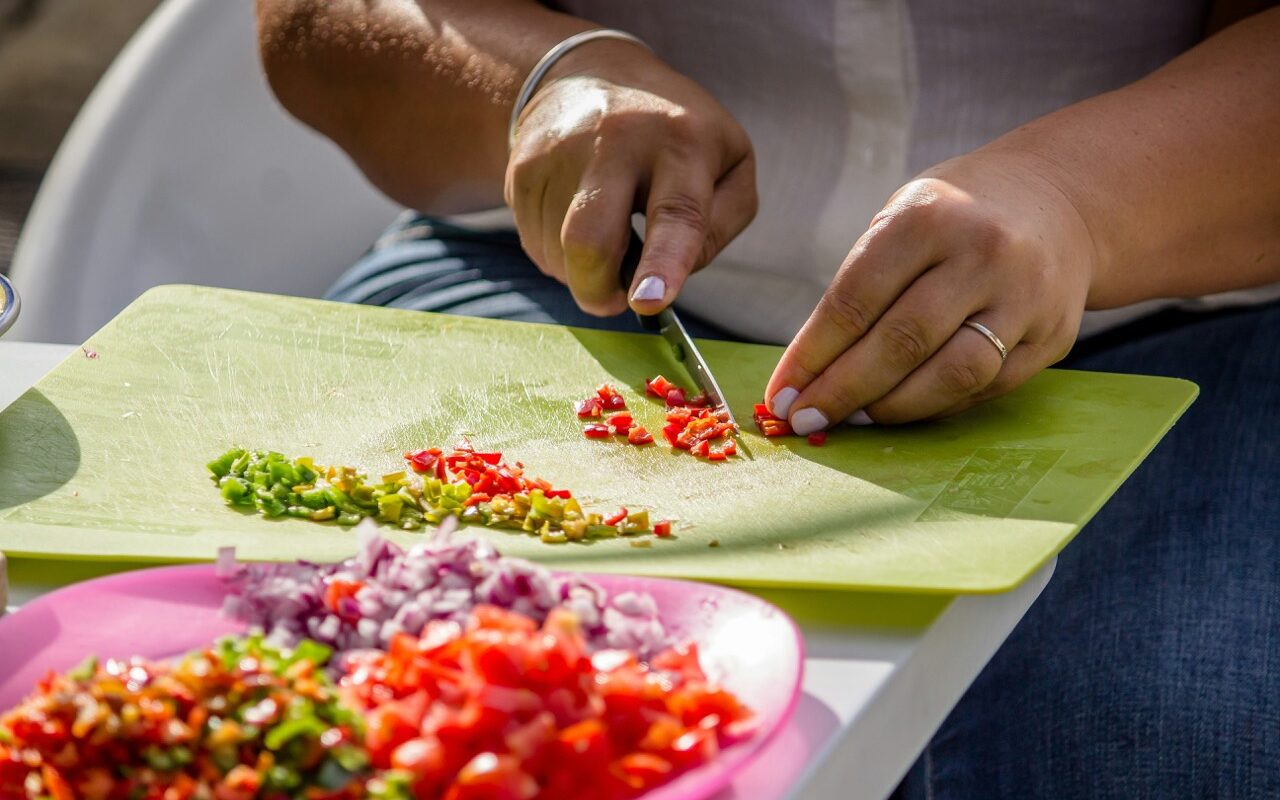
(879, 268)
(677, 221)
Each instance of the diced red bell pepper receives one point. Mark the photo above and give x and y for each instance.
(589, 408)
(658, 387)
(662, 528)
(596, 431)
(818, 438)
(638, 435)
(616, 518)
(675, 397)
(476, 499)
(716, 455)
(702, 448)
(563, 493)
(611, 399)
(421, 461)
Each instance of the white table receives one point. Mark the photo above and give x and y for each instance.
(873, 692)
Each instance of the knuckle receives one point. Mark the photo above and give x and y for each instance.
(906, 341)
(681, 209)
(848, 312)
(838, 396)
(960, 378)
(990, 238)
(687, 131)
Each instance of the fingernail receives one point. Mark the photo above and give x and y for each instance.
(780, 403)
(860, 417)
(807, 420)
(651, 288)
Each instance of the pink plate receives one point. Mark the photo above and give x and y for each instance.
(748, 645)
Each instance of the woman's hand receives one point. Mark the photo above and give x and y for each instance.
(611, 131)
(986, 237)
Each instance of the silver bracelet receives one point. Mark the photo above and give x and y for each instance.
(552, 56)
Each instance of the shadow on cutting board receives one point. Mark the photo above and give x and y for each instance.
(39, 451)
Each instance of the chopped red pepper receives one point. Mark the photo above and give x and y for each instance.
(596, 431)
(659, 387)
(638, 435)
(616, 518)
(818, 438)
(775, 427)
(769, 424)
(620, 423)
(589, 408)
(675, 397)
(662, 528)
(423, 460)
(610, 398)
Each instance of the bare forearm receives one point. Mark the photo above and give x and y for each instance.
(1177, 176)
(417, 92)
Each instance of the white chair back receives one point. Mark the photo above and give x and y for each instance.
(182, 168)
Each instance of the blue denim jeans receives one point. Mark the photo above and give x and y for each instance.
(1150, 666)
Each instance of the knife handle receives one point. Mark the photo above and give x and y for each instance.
(627, 272)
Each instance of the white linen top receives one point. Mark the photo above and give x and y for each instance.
(846, 100)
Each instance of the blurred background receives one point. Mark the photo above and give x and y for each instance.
(52, 52)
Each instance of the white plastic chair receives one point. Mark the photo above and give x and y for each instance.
(181, 167)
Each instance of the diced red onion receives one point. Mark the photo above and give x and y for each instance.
(440, 579)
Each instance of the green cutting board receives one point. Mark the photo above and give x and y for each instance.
(104, 458)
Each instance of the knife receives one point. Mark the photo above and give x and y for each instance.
(667, 324)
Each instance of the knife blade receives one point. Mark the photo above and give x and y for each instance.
(667, 324)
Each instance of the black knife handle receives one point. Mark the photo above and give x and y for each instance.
(627, 272)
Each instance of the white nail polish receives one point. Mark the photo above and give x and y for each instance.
(780, 403)
(807, 421)
(651, 288)
(860, 417)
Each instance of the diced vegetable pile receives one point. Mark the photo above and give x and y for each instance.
(384, 590)
(500, 707)
(238, 720)
(511, 684)
(476, 487)
(692, 424)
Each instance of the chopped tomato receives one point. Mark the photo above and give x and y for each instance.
(510, 710)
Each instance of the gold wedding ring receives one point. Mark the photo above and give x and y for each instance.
(991, 337)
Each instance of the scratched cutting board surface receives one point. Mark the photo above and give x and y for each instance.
(104, 457)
